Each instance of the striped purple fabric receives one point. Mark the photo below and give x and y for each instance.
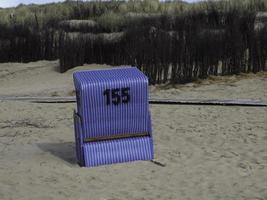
(112, 102)
(102, 120)
(118, 151)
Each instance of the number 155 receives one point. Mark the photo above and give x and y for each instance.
(117, 96)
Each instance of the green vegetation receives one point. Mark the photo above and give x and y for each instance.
(170, 41)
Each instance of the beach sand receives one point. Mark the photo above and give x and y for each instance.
(207, 152)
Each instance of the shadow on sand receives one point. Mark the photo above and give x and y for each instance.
(64, 151)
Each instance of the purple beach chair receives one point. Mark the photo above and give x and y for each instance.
(112, 122)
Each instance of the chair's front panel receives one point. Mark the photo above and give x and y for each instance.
(111, 107)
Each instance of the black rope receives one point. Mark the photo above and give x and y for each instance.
(156, 101)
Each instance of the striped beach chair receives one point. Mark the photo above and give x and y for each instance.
(112, 122)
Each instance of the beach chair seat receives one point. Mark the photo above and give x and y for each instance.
(112, 122)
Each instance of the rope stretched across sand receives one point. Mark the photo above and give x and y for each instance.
(213, 102)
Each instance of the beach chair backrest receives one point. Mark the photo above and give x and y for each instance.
(112, 102)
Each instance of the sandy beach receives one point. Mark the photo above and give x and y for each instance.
(206, 152)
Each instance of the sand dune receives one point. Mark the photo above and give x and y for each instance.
(208, 152)
(37, 79)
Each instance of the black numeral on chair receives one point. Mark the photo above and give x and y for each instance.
(117, 96)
